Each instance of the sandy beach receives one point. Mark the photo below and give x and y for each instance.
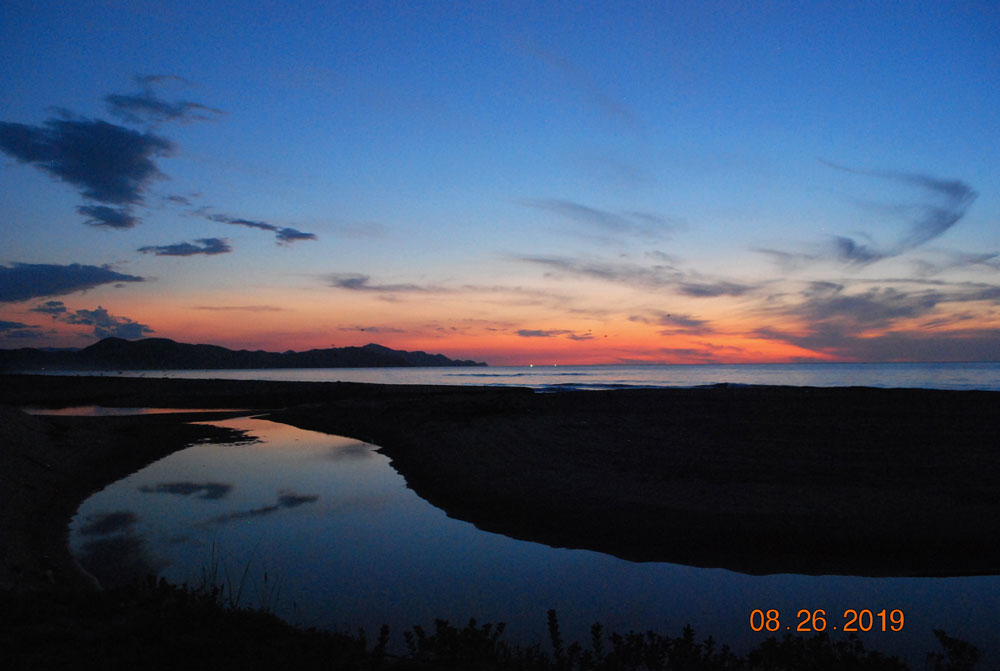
(755, 479)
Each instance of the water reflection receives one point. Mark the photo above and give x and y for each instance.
(108, 523)
(352, 547)
(113, 551)
(106, 411)
(206, 490)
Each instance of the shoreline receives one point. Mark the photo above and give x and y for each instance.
(755, 479)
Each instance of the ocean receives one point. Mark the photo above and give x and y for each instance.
(985, 376)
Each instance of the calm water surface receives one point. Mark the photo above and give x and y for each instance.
(554, 378)
(345, 544)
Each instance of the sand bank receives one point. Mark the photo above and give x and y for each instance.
(756, 479)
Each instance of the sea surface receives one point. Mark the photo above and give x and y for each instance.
(322, 530)
(556, 378)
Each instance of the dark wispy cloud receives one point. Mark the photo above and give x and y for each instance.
(713, 289)
(554, 333)
(849, 251)
(107, 217)
(649, 276)
(585, 84)
(659, 275)
(106, 162)
(875, 308)
(203, 490)
(944, 204)
(145, 107)
(857, 324)
(17, 330)
(107, 325)
(22, 281)
(104, 323)
(643, 224)
(900, 345)
(676, 323)
(178, 200)
(949, 320)
(359, 282)
(933, 219)
(283, 234)
(538, 333)
(372, 329)
(53, 308)
(948, 260)
(206, 246)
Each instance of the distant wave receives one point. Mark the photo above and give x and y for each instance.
(540, 373)
(596, 386)
(485, 374)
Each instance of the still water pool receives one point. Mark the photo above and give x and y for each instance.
(322, 530)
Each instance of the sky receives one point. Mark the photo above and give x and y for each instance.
(570, 183)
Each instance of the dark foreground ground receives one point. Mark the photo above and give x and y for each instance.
(756, 479)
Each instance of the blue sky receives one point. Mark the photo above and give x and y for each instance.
(520, 182)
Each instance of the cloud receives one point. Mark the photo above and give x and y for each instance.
(536, 333)
(209, 247)
(850, 252)
(22, 334)
(108, 163)
(109, 217)
(953, 190)
(107, 325)
(653, 277)
(950, 201)
(911, 345)
(359, 282)
(621, 272)
(585, 84)
(948, 260)
(18, 331)
(286, 234)
(4, 326)
(875, 308)
(554, 333)
(948, 320)
(372, 329)
(685, 353)
(179, 200)
(676, 323)
(944, 204)
(858, 324)
(713, 289)
(22, 281)
(643, 224)
(146, 107)
(205, 490)
(54, 308)
(283, 234)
